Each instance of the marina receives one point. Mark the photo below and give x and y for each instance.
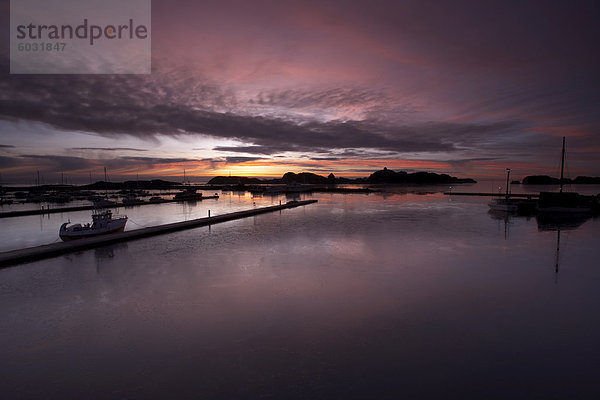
(311, 200)
(50, 250)
(55, 210)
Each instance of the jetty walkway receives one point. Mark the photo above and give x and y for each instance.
(13, 257)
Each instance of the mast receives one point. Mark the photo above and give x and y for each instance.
(562, 165)
(557, 249)
(507, 181)
(105, 183)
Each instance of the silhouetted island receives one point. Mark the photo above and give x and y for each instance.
(383, 176)
(388, 176)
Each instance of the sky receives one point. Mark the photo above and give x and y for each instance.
(262, 87)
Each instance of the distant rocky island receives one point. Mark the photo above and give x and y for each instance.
(388, 176)
(379, 177)
(548, 180)
(384, 176)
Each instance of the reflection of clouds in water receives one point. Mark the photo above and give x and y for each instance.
(308, 295)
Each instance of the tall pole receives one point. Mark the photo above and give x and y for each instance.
(562, 165)
(105, 183)
(507, 181)
(557, 249)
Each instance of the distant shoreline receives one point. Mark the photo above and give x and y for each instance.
(384, 176)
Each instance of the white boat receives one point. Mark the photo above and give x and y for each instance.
(102, 223)
(504, 205)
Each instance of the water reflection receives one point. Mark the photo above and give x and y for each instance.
(105, 254)
(558, 223)
(545, 223)
(553, 222)
(379, 296)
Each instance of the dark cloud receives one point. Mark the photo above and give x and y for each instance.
(108, 148)
(9, 162)
(53, 163)
(467, 161)
(114, 105)
(251, 149)
(338, 98)
(6, 146)
(239, 160)
(472, 81)
(325, 158)
(147, 162)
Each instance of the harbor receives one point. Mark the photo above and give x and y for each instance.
(61, 209)
(311, 200)
(302, 291)
(489, 194)
(35, 253)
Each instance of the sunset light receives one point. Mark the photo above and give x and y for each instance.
(299, 199)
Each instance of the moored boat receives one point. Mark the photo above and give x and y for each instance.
(131, 200)
(505, 204)
(103, 223)
(564, 202)
(188, 194)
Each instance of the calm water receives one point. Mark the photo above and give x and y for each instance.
(395, 295)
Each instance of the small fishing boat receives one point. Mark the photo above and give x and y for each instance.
(103, 223)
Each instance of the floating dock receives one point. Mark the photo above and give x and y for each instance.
(44, 211)
(51, 250)
(517, 195)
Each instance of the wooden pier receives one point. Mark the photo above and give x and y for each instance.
(9, 258)
(44, 211)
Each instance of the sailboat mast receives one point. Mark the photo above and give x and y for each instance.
(562, 165)
(105, 183)
(557, 249)
(507, 181)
